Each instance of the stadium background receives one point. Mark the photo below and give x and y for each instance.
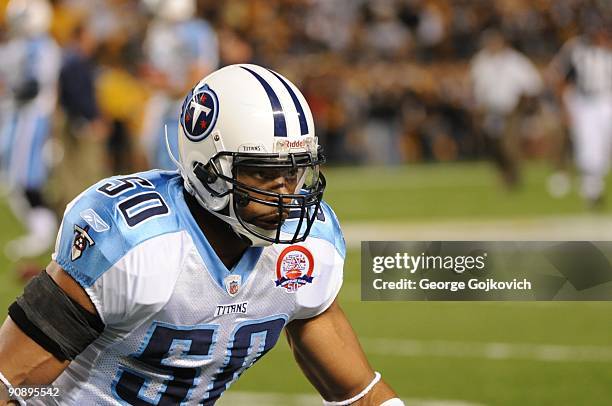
(388, 82)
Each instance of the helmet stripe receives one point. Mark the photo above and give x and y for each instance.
(280, 126)
(296, 102)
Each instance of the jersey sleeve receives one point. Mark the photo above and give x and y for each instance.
(88, 242)
(123, 274)
(327, 247)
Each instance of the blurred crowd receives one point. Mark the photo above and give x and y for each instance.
(396, 67)
(388, 81)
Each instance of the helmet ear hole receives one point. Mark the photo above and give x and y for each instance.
(205, 173)
(208, 176)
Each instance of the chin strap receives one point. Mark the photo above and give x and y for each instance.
(233, 223)
(237, 228)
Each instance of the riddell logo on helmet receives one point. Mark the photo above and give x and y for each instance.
(293, 144)
(286, 145)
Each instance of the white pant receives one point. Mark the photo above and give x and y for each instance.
(591, 130)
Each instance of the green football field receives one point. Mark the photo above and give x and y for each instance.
(434, 353)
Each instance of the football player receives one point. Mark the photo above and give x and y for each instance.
(180, 49)
(29, 70)
(165, 286)
(582, 75)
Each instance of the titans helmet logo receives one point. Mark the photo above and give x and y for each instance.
(199, 113)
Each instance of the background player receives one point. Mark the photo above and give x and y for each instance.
(29, 70)
(505, 83)
(165, 287)
(179, 50)
(582, 72)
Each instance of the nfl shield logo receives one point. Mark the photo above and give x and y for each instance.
(232, 284)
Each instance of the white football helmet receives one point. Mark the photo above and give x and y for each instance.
(245, 118)
(28, 17)
(171, 10)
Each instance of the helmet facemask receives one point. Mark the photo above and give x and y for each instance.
(265, 191)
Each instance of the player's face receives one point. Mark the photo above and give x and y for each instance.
(276, 180)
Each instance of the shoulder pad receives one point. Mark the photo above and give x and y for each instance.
(329, 229)
(110, 218)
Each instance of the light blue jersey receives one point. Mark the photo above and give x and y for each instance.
(26, 124)
(174, 49)
(180, 326)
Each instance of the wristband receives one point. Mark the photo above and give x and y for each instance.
(393, 402)
(8, 386)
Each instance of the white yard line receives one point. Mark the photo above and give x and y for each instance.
(487, 350)
(397, 347)
(440, 349)
(546, 229)
(351, 292)
(585, 227)
(413, 185)
(282, 399)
